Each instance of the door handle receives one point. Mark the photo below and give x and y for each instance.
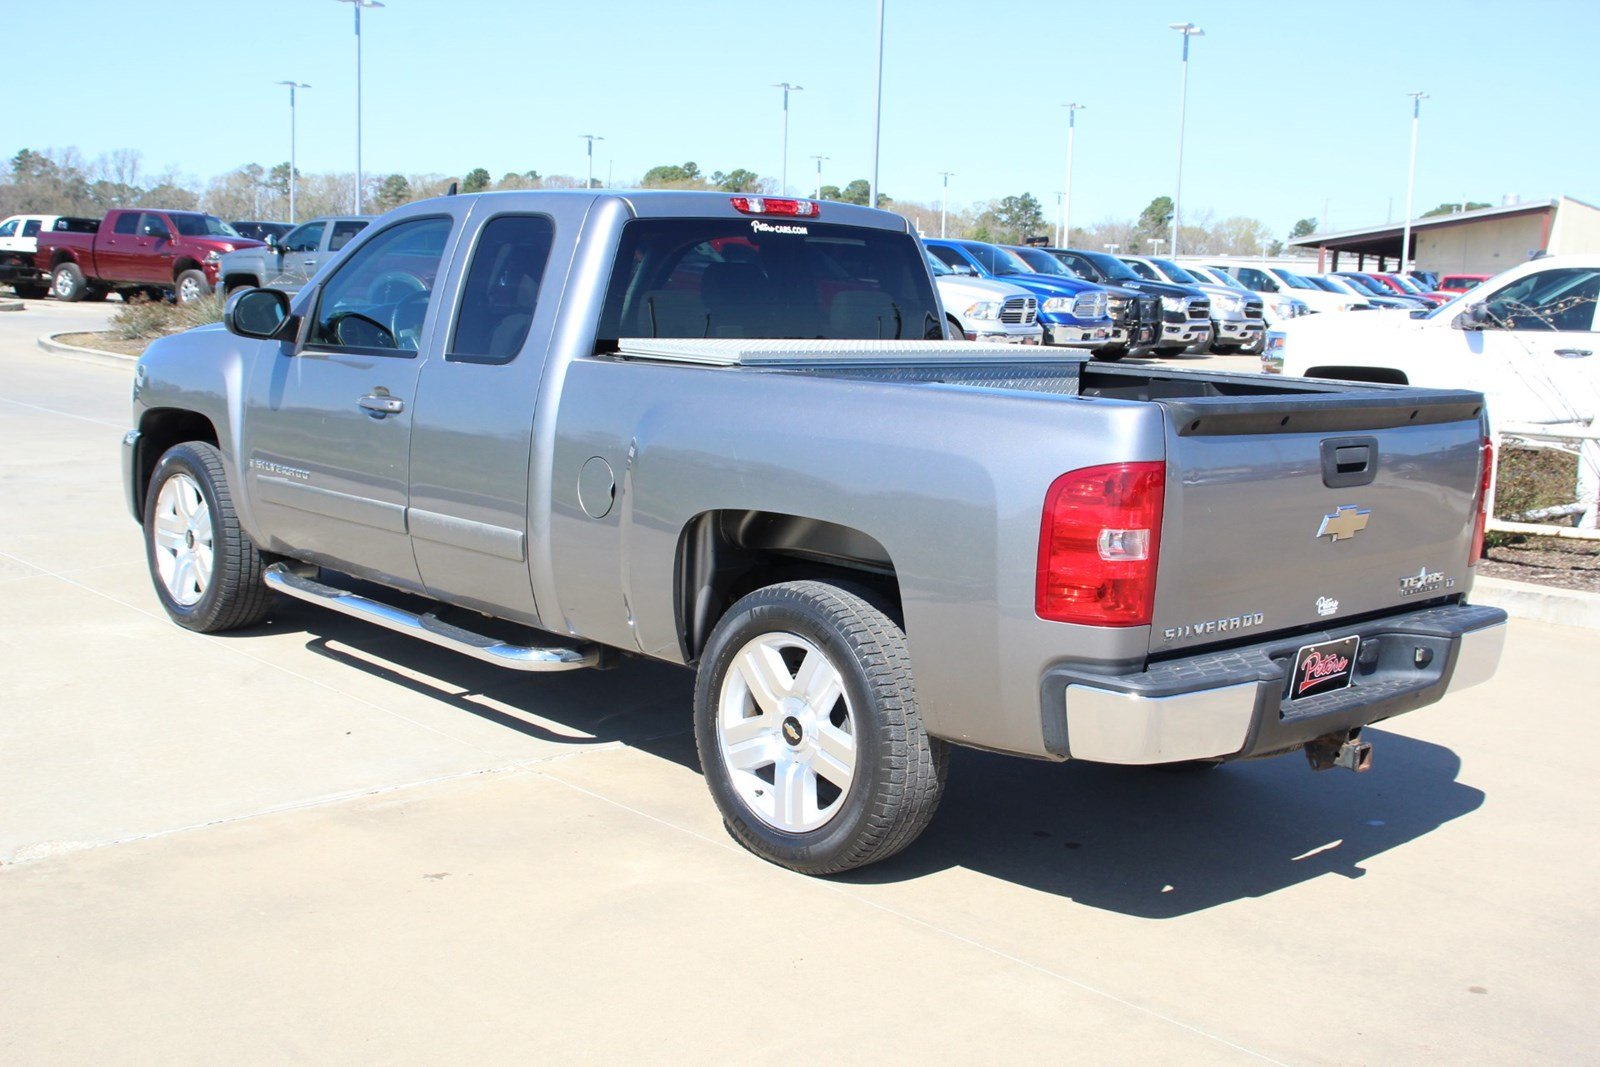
(1574, 353)
(379, 405)
(308, 263)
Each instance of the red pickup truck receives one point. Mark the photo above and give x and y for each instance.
(139, 249)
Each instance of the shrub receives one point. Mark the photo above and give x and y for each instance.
(145, 320)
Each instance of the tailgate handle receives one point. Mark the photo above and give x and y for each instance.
(1348, 461)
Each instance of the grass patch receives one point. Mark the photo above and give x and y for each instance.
(1532, 478)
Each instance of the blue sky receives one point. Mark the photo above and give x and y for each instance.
(1291, 105)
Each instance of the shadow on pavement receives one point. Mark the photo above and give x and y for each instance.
(1136, 841)
(1157, 844)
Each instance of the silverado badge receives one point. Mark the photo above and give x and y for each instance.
(1346, 521)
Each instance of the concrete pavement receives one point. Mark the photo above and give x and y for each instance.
(321, 842)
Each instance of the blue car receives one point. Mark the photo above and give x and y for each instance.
(1073, 313)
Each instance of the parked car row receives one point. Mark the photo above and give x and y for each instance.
(183, 254)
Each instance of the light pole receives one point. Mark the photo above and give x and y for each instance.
(820, 160)
(783, 182)
(1060, 198)
(1411, 177)
(1066, 197)
(944, 204)
(359, 4)
(877, 115)
(293, 85)
(588, 182)
(1188, 29)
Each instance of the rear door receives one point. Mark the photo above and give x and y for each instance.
(327, 443)
(116, 246)
(1364, 507)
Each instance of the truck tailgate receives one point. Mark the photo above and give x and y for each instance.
(1302, 512)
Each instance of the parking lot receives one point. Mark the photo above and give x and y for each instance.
(318, 841)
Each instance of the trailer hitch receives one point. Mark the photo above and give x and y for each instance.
(1340, 750)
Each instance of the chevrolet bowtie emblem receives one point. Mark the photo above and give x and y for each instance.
(1346, 521)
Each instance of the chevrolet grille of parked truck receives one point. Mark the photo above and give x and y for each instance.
(549, 429)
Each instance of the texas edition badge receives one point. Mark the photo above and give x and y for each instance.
(1323, 668)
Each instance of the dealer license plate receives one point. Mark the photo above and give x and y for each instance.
(1324, 668)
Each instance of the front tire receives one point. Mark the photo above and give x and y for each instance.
(190, 286)
(67, 283)
(808, 730)
(205, 568)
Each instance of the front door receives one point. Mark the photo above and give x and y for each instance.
(294, 261)
(326, 446)
(1540, 348)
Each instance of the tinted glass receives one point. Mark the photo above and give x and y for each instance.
(30, 228)
(8, 228)
(950, 256)
(1562, 300)
(997, 260)
(154, 226)
(377, 299)
(1173, 271)
(343, 230)
(127, 222)
(1143, 270)
(1113, 268)
(937, 265)
(202, 226)
(1041, 261)
(502, 289)
(1257, 279)
(303, 238)
(754, 279)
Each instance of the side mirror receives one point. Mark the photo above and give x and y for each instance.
(272, 241)
(262, 314)
(966, 270)
(1475, 317)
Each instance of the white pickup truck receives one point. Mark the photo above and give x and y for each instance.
(1527, 339)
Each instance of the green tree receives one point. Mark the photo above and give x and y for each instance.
(672, 174)
(1303, 228)
(476, 181)
(738, 180)
(1016, 218)
(1275, 248)
(831, 192)
(857, 192)
(1451, 209)
(393, 191)
(1155, 221)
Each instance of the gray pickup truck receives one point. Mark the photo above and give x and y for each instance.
(550, 429)
(289, 262)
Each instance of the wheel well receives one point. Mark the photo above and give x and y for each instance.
(159, 430)
(60, 258)
(240, 281)
(183, 265)
(1376, 375)
(723, 555)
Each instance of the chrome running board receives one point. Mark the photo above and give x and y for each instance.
(430, 628)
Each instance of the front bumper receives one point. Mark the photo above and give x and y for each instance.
(1233, 704)
(130, 469)
(1238, 331)
(1187, 332)
(989, 330)
(1075, 336)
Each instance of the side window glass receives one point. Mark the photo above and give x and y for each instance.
(502, 289)
(127, 222)
(30, 228)
(154, 226)
(1143, 270)
(304, 238)
(950, 257)
(1257, 280)
(1553, 300)
(343, 230)
(376, 302)
(8, 228)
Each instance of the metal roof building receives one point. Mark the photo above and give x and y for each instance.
(1485, 241)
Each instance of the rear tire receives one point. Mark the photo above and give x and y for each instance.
(1167, 351)
(32, 292)
(1109, 355)
(1224, 350)
(205, 568)
(67, 283)
(808, 730)
(953, 329)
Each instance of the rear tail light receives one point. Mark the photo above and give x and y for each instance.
(771, 205)
(1482, 525)
(1098, 542)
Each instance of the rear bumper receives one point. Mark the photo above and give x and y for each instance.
(1233, 705)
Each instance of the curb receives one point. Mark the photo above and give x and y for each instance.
(1524, 600)
(11, 305)
(49, 343)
